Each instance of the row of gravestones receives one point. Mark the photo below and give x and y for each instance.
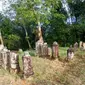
(10, 61)
(42, 50)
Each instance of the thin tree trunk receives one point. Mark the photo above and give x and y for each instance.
(39, 31)
(1, 40)
(27, 38)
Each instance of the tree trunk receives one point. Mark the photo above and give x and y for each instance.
(27, 39)
(39, 31)
(1, 40)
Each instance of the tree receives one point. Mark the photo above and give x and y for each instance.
(35, 10)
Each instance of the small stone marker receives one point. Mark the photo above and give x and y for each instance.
(70, 53)
(55, 50)
(27, 65)
(14, 61)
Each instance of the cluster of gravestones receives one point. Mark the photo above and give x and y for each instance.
(42, 50)
(10, 61)
(72, 50)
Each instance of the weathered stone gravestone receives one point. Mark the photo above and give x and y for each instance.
(80, 44)
(49, 52)
(83, 46)
(44, 50)
(39, 45)
(70, 53)
(76, 46)
(5, 59)
(39, 49)
(55, 51)
(27, 65)
(14, 62)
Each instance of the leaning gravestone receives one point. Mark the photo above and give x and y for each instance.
(14, 62)
(55, 51)
(70, 53)
(27, 65)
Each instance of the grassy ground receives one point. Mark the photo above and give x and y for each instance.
(51, 72)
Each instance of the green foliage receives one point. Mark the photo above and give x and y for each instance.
(52, 18)
(12, 42)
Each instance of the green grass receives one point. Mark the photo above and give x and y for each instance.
(55, 72)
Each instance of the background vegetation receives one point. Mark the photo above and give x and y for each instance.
(21, 31)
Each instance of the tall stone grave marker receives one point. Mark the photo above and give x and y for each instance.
(27, 65)
(55, 51)
(44, 50)
(14, 62)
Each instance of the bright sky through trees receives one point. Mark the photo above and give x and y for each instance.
(0, 6)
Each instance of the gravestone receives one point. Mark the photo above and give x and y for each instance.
(44, 50)
(49, 52)
(70, 53)
(75, 46)
(39, 45)
(83, 45)
(5, 59)
(55, 51)
(27, 65)
(39, 49)
(80, 44)
(14, 62)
